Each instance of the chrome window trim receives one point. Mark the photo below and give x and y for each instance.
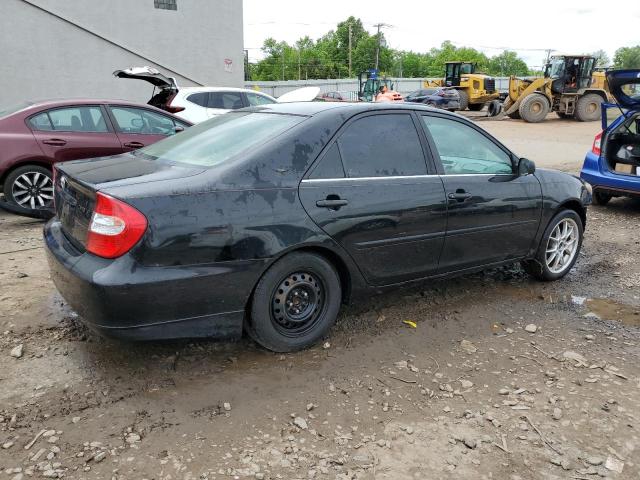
(400, 177)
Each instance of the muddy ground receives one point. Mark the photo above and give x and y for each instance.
(468, 393)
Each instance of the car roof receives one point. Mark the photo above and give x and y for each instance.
(39, 105)
(347, 108)
(219, 89)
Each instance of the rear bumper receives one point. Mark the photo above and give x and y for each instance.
(601, 178)
(124, 299)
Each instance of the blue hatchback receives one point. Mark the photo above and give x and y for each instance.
(612, 167)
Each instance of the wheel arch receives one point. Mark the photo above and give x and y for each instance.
(39, 161)
(576, 206)
(597, 91)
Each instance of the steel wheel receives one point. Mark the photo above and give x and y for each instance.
(32, 190)
(562, 245)
(297, 304)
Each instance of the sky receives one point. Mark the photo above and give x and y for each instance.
(528, 27)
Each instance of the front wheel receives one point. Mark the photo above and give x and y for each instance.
(295, 303)
(559, 248)
(464, 100)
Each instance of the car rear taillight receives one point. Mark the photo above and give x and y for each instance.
(597, 144)
(115, 227)
(171, 109)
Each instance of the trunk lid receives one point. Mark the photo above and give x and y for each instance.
(167, 86)
(77, 182)
(625, 87)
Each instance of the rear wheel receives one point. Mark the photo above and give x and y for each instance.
(534, 108)
(559, 248)
(476, 107)
(589, 108)
(464, 99)
(29, 187)
(601, 198)
(295, 303)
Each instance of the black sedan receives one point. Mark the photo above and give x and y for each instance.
(437, 97)
(267, 219)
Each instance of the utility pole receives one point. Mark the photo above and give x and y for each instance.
(299, 69)
(349, 50)
(379, 26)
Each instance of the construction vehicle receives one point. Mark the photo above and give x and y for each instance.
(569, 87)
(475, 88)
(369, 85)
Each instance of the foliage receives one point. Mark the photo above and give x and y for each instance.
(328, 57)
(602, 59)
(627, 57)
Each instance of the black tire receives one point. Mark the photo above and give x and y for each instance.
(563, 115)
(534, 108)
(464, 100)
(601, 198)
(476, 107)
(298, 281)
(515, 115)
(589, 108)
(24, 195)
(538, 266)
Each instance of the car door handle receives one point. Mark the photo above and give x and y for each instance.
(332, 203)
(459, 196)
(56, 142)
(134, 144)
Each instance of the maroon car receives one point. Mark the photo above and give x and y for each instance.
(35, 136)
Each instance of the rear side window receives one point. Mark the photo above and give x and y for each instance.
(382, 146)
(221, 138)
(72, 119)
(330, 165)
(226, 100)
(201, 99)
(255, 99)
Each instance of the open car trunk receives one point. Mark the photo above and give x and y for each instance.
(164, 88)
(622, 146)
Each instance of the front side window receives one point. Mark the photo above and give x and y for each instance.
(256, 100)
(464, 150)
(225, 100)
(72, 119)
(221, 138)
(142, 121)
(382, 146)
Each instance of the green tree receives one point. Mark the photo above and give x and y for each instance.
(627, 57)
(507, 63)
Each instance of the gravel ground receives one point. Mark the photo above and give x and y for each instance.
(502, 378)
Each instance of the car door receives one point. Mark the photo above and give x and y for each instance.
(373, 193)
(74, 132)
(223, 101)
(137, 127)
(493, 214)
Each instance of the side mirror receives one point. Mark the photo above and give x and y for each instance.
(526, 167)
(178, 128)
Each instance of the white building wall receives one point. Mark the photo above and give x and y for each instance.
(69, 48)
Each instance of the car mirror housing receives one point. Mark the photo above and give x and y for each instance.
(178, 128)
(526, 167)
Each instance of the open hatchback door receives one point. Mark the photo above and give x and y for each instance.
(624, 85)
(164, 88)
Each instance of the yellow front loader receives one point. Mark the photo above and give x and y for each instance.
(475, 88)
(569, 87)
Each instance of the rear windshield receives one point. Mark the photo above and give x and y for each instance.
(221, 138)
(8, 110)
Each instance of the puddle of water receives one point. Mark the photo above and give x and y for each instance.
(608, 309)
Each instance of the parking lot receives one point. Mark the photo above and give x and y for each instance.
(502, 377)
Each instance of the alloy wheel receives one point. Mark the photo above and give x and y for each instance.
(562, 245)
(32, 190)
